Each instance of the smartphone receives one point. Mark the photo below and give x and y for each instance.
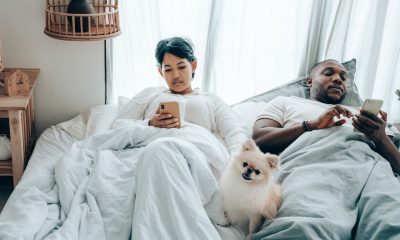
(171, 108)
(372, 105)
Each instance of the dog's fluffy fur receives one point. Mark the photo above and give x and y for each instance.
(250, 195)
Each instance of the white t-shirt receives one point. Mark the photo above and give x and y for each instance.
(204, 109)
(289, 111)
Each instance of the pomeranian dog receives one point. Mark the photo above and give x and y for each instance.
(249, 194)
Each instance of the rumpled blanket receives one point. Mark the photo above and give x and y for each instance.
(334, 186)
(134, 181)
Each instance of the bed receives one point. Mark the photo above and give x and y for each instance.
(80, 180)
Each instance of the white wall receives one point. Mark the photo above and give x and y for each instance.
(71, 74)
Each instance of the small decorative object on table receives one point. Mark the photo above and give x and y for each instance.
(5, 147)
(16, 83)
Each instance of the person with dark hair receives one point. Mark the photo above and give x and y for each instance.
(177, 46)
(287, 118)
(177, 194)
(336, 182)
(177, 64)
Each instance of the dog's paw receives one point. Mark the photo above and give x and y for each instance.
(223, 221)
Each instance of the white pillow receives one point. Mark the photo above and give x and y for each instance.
(122, 101)
(247, 113)
(94, 119)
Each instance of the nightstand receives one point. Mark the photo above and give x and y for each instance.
(20, 113)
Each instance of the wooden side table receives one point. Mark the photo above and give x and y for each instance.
(20, 112)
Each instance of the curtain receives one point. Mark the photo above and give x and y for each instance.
(248, 47)
(368, 30)
(144, 23)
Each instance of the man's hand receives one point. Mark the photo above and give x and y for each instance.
(163, 121)
(372, 126)
(326, 120)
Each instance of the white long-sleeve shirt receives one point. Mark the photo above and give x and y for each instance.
(204, 109)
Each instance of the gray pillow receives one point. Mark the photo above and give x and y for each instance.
(299, 88)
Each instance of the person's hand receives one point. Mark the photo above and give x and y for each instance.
(163, 121)
(327, 119)
(372, 126)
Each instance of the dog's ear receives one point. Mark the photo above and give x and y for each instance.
(248, 145)
(273, 160)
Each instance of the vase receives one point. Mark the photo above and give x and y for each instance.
(80, 7)
(5, 147)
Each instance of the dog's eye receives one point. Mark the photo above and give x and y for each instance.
(245, 164)
(257, 171)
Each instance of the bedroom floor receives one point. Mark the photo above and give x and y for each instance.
(5, 190)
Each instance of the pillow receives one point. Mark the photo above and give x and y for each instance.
(95, 119)
(299, 88)
(247, 112)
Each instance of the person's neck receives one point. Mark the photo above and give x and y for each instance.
(326, 101)
(187, 91)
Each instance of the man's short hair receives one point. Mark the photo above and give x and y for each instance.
(315, 67)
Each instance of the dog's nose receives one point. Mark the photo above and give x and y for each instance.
(246, 175)
(248, 172)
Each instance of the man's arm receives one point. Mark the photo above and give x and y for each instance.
(388, 150)
(270, 136)
(374, 128)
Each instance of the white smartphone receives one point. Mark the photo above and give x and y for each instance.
(372, 105)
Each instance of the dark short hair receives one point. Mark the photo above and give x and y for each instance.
(178, 46)
(314, 68)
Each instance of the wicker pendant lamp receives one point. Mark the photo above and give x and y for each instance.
(82, 20)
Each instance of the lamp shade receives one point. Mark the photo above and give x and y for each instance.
(82, 20)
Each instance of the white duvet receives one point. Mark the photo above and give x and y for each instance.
(133, 182)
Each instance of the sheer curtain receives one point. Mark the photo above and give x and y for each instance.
(369, 31)
(144, 23)
(247, 47)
